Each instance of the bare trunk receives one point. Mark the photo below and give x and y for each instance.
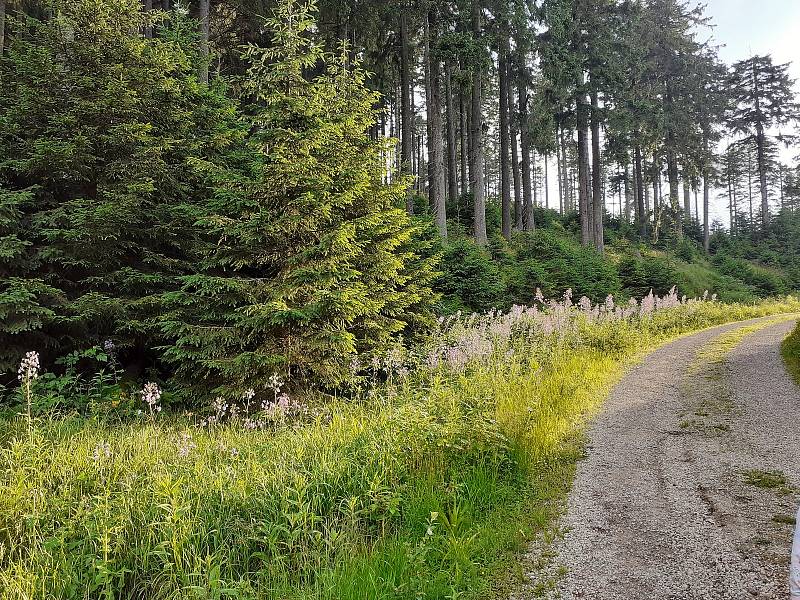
(463, 134)
(477, 137)
(762, 176)
(515, 166)
(706, 197)
(2, 25)
(148, 30)
(687, 199)
(598, 202)
(505, 170)
(433, 103)
(560, 173)
(760, 143)
(406, 117)
(546, 182)
(584, 190)
(452, 161)
(205, 8)
(641, 210)
(525, 141)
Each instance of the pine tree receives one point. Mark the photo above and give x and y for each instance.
(309, 257)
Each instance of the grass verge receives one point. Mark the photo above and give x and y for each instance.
(427, 487)
(790, 349)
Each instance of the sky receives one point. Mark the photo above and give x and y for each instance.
(747, 27)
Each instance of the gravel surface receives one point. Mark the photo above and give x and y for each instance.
(687, 491)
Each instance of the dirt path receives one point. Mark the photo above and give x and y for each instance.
(688, 488)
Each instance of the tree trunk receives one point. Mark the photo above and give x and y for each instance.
(463, 134)
(205, 58)
(433, 104)
(165, 5)
(706, 197)
(597, 178)
(672, 175)
(565, 171)
(505, 167)
(687, 199)
(148, 30)
(477, 137)
(731, 202)
(760, 144)
(640, 191)
(452, 161)
(525, 141)
(515, 166)
(406, 117)
(559, 173)
(2, 26)
(584, 190)
(546, 182)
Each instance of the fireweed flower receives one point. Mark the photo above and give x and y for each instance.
(220, 407)
(101, 452)
(29, 368)
(275, 383)
(151, 395)
(185, 444)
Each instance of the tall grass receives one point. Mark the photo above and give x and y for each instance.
(422, 486)
(790, 349)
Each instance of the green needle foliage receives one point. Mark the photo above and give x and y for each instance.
(309, 258)
(101, 132)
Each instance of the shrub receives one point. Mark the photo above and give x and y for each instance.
(470, 281)
(566, 264)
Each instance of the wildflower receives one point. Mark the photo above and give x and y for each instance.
(101, 452)
(220, 407)
(275, 383)
(29, 367)
(185, 444)
(233, 411)
(27, 373)
(248, 396)
(234, 453)
(108, 346)
(151, 395)
(355, 367)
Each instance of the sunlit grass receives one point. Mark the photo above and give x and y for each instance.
(791, 353)
(427, 490)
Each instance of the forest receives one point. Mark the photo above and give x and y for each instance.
(317, 298)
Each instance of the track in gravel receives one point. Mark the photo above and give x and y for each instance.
(687, 491)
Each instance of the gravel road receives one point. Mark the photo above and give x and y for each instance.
(688, 488)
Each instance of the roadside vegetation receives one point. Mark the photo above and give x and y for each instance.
(791, 353)
(423, 482)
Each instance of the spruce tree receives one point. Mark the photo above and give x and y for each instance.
(101, 136)
(310, 256)
(764, 99)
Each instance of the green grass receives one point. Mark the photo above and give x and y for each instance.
(696, 277)
(769, 480)
(791, 353)
(427, 488)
